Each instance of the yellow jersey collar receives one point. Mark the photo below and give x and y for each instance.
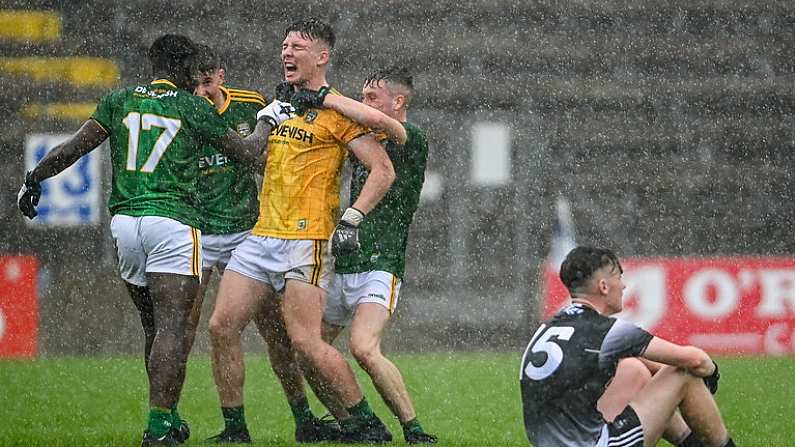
(163, 81)
(227, 100)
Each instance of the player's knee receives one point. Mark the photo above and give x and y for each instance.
(365, 353)
(304, 343)
(634, 372)
(673, 371)
(219, 329)
(680, 373)
(677, 378)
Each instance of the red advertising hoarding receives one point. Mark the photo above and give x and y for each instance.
(19, 315)
(740, 305)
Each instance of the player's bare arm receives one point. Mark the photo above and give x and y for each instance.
(345, 239)
(693, 359)
(252, 149)
(88, 137)
(382, 174)
(247, 150)
(361, 113)
(368, 116)
(259, 166)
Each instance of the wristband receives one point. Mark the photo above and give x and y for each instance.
(352, 216)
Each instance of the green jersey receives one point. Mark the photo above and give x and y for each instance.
(155, 132)
(228, 192)
(384, 232)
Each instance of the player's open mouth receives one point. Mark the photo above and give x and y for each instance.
(289, 69)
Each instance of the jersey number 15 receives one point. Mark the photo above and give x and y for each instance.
(135, 122)
(546, 340)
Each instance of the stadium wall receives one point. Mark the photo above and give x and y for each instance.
(669, 126)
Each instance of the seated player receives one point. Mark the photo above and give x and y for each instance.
(573, 356)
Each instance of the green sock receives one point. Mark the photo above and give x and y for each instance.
(361, 411)
(412, 426)
(301, 411)
(234, 417)
(175, 419)
(159, 421)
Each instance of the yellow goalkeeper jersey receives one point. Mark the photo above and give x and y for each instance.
(300, 193)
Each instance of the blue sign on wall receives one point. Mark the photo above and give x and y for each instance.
(72, 197)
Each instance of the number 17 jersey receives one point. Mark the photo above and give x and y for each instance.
(565, 369)
(157, 132)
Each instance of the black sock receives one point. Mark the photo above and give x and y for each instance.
(729, 443)
(691, 441)
(234, 417)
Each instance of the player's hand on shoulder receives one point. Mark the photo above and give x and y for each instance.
(28, 196)
(345, 239)
(284, 91)
(305, 99)
(276, 112)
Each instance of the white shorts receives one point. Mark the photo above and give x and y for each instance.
(152, 244)
(217, 249)
(272, 261)
(351, 289)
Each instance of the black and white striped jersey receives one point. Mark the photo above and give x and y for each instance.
(565, 369)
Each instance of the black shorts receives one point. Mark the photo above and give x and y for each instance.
(625, 430)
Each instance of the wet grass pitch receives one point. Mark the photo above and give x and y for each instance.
(467, 399)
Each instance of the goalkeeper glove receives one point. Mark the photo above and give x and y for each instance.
(304, 99)
(712, 380)
(28, 196)
(284, 91)
(345, 239)
(276, 112)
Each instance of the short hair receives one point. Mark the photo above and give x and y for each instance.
(207, 60)
(395, 75)
(314, 29)
(581, 264)
(172, 54)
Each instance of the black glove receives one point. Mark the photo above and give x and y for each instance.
(284, 91)
(28, 196)
(712, 380)
(304, 99)
(345, 239)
